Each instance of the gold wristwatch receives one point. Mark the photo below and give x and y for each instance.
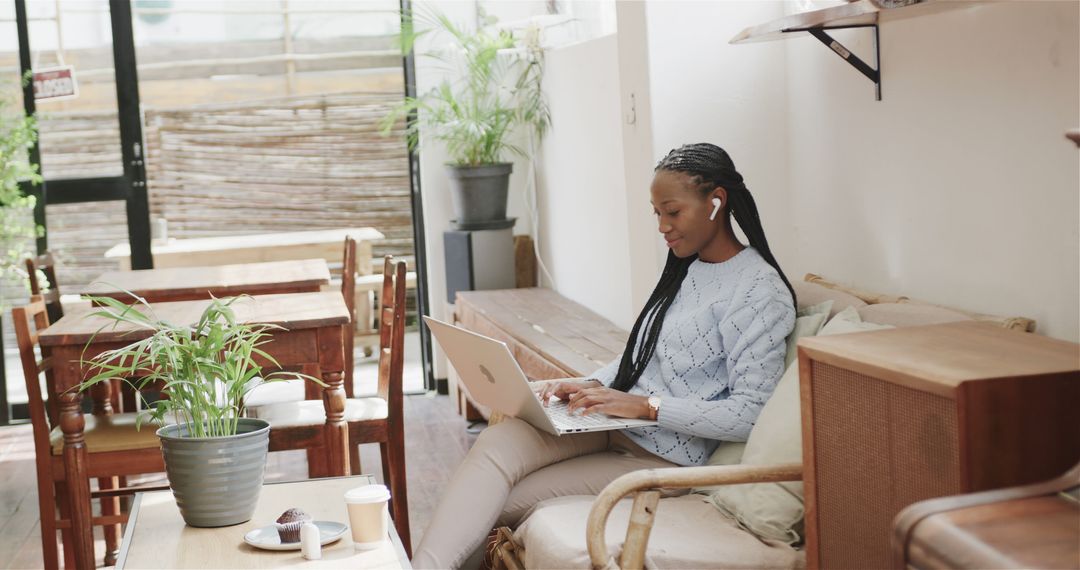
(654, 407)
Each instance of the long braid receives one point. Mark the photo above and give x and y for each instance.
(710, 167)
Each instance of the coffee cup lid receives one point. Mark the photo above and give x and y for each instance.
(367, 494)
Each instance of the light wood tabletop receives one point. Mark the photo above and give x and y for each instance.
(156, 536)
(325, 244)
(189, 283)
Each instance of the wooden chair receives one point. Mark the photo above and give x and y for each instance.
(123, 396)
(379, 419)
(46, 265)
(70, 449)
(645, 485)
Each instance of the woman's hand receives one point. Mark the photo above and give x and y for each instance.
(563, 389)
(609, 401)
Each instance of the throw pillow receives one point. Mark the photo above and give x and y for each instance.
(774, 511)
(813, 294)
(808, 321)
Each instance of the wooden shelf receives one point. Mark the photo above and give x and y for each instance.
(862, 13)
(858, 14)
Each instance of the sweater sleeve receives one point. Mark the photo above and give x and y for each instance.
(606, 373)
(754, 337)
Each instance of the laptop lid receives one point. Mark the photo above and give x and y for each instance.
(490, 373)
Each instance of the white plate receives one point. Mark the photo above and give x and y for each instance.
(267, 537)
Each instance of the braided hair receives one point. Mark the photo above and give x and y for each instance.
(709, 166)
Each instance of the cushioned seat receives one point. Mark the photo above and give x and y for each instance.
(274, 393)
(311, 412)
(110, 433)
(688, 533)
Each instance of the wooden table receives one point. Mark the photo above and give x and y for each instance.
(192, 283)
(311, 342)
(156, 536)
(549, 335)
(324, 244)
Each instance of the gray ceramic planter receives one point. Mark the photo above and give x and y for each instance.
(216, 481)
(478, 193)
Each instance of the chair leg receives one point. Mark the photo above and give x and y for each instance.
(50, 550)
(316, 463)
(67, 538)
(354, 459)
(110, 506)
(393, 456)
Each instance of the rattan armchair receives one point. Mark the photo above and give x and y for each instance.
(645, 485)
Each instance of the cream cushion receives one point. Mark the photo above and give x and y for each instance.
(311, 412)
(813, 294)
(910, 314)
(264, 393)
(688, 533)
(116, 432)
(808, 322)
(774, 511)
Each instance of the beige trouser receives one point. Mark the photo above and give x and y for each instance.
(511, 467)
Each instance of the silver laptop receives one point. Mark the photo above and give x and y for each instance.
(494, 379)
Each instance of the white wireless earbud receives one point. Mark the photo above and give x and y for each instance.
(716, 203)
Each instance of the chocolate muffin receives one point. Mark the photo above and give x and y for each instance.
(289, 523)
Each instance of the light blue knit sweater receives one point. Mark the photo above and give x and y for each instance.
(718, 358)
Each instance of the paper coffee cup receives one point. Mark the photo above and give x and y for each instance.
(368, 515)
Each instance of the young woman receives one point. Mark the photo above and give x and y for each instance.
(704, 355)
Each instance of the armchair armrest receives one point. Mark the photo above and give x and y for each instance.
(645, 503)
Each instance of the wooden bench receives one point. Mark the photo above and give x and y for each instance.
(550, 335)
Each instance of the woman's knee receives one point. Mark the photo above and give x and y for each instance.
(508, 431)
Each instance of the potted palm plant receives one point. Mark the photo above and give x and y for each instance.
(492, 90)
(214, 457)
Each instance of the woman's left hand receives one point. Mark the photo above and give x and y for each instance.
(611, 402)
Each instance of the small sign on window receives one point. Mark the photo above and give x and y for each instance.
(55, 83)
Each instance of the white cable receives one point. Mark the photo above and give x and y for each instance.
(531, 206)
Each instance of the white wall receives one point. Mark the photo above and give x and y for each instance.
(704, 90)
(959, 187)
(583, 199)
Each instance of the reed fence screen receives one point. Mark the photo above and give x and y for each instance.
(287, 164)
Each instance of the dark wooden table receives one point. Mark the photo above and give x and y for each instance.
(312, 342)
(192, 283)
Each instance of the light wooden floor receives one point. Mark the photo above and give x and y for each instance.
(435, 440)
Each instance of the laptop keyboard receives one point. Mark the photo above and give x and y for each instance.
(560, 415)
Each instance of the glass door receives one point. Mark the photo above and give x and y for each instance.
(85, 96)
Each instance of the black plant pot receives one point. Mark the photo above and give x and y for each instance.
(478, 195)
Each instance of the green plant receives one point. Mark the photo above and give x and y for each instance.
(206, 369)
(496, 88)
(18, 132)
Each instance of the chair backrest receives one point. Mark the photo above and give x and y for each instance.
(29, 321)
(45, 264)
(392, 336)
(348, 291)
(348, 276)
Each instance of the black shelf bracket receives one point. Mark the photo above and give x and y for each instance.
(871, 73)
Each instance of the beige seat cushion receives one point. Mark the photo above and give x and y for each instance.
(774, 511)
(111, 433)
(275, 392)
(311, 412)
(814, 294)
(909, 314)
(688, 533)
